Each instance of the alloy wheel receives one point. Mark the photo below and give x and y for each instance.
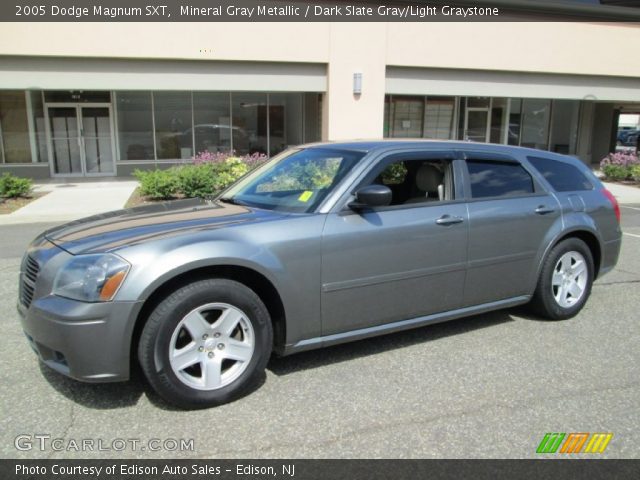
(569, 279)
(211, 346)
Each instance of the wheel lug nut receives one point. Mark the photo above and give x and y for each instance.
(210, 354)
(201, 349)
(216, 335)
(205, 336)
(221, 346)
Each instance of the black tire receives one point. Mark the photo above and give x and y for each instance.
(544, 302)
(158, 334)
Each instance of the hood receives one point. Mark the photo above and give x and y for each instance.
(120, 228)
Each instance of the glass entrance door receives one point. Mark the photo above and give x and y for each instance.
(96, 140)
(81, 141)
(476, 124)
(65, 140)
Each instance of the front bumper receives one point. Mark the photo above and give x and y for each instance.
(90, 342)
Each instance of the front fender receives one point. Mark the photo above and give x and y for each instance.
(288, 257)
(150, 272)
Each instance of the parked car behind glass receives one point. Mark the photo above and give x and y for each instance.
(627, 137)
(324, 244)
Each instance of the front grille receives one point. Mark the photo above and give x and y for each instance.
(29, 277)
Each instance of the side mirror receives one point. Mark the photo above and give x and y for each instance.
(372, 196)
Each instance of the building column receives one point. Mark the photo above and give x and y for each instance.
(602, 130)
(355, 48)
(585, 131)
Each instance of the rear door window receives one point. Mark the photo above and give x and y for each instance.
(490, 179)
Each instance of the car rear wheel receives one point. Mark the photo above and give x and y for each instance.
(206, 344)
(565, 280)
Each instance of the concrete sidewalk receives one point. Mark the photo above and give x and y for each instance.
(625, 194)
(66, 201)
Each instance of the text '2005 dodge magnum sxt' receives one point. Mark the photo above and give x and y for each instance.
(324, 244)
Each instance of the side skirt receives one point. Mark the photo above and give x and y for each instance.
(335, 339)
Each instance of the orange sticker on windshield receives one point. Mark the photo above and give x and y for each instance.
(305, 196)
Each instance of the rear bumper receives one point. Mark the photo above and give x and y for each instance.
(89, 342)
(610, 254)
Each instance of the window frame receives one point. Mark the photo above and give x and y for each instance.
(379, 164)
(538, 189)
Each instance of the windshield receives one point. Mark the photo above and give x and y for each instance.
(296, 181)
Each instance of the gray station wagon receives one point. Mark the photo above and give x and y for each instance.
(324, 244)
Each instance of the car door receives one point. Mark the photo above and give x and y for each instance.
(510, 214)
(406, 260)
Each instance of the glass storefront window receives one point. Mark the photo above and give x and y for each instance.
(187, 123)
(37, 111)
(212, 122)
(285, 125)
(172, 114)
(407, 115)
(515, 121)
(14, 127)
(135, 125)
(564, 126)
(498, 119)
(535, 123)
(250, 124)
(438, 117)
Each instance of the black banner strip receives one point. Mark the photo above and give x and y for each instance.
(303, 11)
(318, 469)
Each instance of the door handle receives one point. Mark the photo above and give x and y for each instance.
(448, 220)
(543, 210)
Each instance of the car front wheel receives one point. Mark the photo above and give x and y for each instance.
(206, 344)
(565, 280)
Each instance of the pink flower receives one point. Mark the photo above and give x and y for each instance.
(252, 160)
(620, 158)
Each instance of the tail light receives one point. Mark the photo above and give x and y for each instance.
(614, 202)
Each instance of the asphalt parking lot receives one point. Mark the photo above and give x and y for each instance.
(489, 386)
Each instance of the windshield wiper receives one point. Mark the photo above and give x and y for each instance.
(233, 201)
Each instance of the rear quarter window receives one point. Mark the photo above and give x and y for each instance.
(563, 177)
(498, 179)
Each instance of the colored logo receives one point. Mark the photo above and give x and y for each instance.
(574, 442)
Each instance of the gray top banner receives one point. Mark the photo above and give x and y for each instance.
(300, 11)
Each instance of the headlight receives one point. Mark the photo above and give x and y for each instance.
(91, 278)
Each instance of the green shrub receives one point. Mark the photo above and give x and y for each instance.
(13, 187)
(158, 184)
(197, 180)
(616, 172)
(207, 179)
(635, 173)
(228, 171)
